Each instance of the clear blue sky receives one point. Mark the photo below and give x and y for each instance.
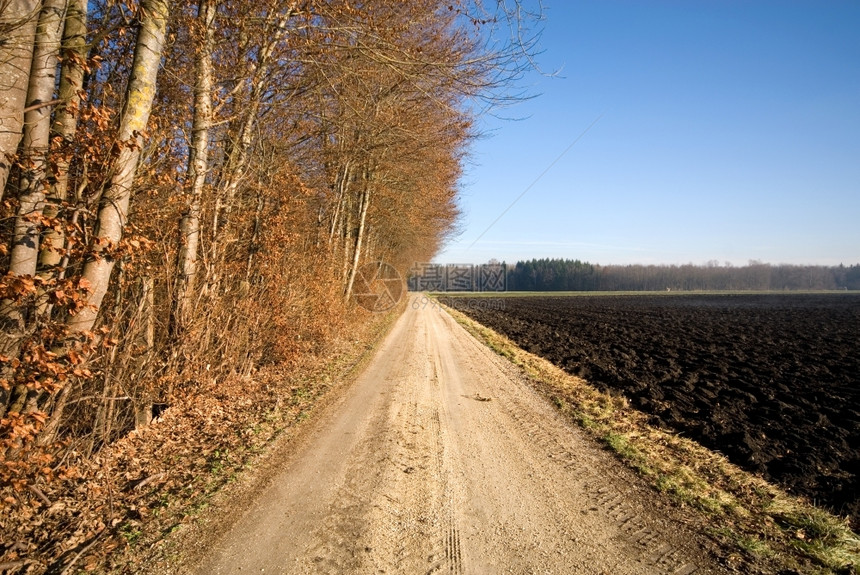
(730, 132)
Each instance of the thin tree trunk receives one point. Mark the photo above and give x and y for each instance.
(18, 21)
(114, 204)
(102, 422)
(356, 256)
(198, 166)
(347, 237)
(342, 185)
(146, 308)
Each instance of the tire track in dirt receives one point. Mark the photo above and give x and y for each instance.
(452, 558)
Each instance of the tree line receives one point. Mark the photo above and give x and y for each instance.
(189, 188)
(575, 275)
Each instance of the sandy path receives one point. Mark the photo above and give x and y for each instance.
(440, 459)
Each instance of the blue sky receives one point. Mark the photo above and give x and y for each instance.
(729, 131)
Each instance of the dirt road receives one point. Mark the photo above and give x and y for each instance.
(441, 459)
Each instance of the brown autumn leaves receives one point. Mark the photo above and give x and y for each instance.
(189, 189)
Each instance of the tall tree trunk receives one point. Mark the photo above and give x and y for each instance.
(64, 129)
(198, 166)
(37, 138)
(113, 209)
(18, 20)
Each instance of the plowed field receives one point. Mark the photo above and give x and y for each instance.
(772, 381)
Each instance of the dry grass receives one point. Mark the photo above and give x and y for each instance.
(755, 517)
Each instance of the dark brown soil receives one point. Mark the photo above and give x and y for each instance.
(772, 381)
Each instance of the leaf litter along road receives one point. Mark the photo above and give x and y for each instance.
(441, 459)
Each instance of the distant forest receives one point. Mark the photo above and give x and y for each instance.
(575, 275)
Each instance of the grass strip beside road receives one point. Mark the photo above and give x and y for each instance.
(759, 523)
